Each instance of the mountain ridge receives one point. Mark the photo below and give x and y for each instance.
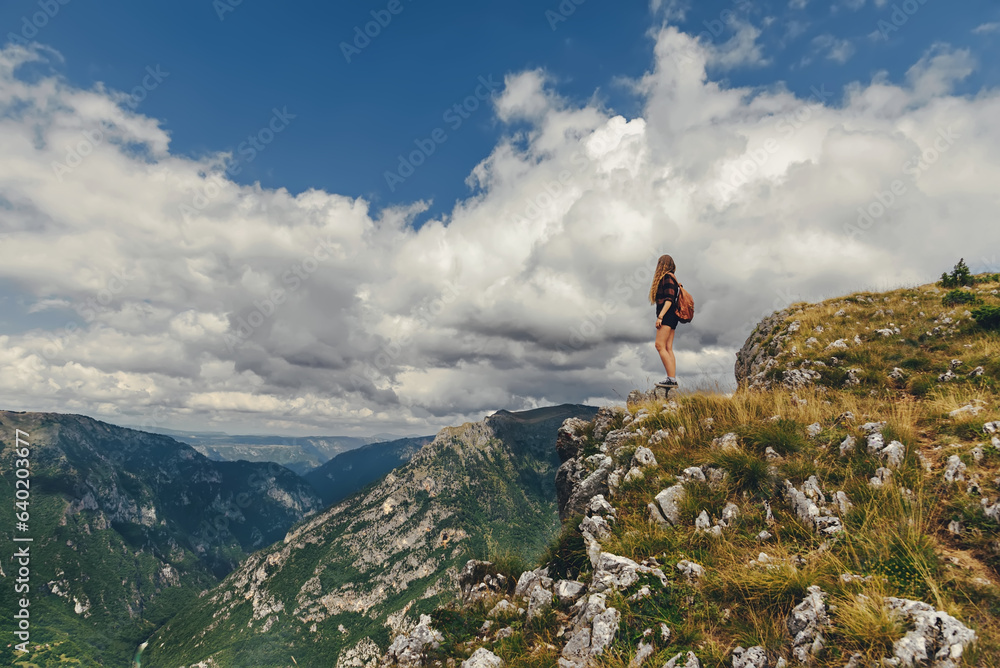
(117, 549)
(366, 564)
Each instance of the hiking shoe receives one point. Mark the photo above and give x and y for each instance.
(667, 383)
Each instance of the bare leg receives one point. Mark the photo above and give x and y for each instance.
(665, 347)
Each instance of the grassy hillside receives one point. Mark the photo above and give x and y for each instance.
(920, 534)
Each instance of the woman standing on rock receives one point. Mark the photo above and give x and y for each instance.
(663, 293)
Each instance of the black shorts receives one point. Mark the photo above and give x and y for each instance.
(670, 320)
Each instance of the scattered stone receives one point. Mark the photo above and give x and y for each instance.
(570, 438)
(855, 661)
(595, 628)
(692, 473)
(897, 374)
(882, 476)
(615, 439)
(894, 453)
(947, 376)
(708, 423)
(407, 651)
(716, 476)
(847, 445)
(871, 427)
(603, 420)
(690, 570)
(730, 513)
(755, 657)
(955, 364)
(596, 526)
(659, 436)
(665, 632)
(977, 372)
(991, 427)
(644, 592)
(612, 571)
(814, 429)
(529, 580)
(806, 624)
(969, 410)
(575, 487)
(703, 522)
(812, 489)
(875, 442)
(811, 341)
(479, 578)
(692, 661)
(808, 511)
(614, 482)
(568, 591)
(978, 454)
(937, 639)
(643, 458)
(839, 344)
(844, 504)
(634, 473)
(770, 454)
(955, 527)
(504, 606)
(764, 536)
(728, 441)
(667, 505)
(954, 470)
(483, 658)
(839, 314)
(643, 652)
(603, 631)
(992, 512)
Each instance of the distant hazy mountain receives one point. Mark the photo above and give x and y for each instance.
(298, 453)
(351, 471)
(352, 573)
(128, 527)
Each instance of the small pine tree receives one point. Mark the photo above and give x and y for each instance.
(959, 276)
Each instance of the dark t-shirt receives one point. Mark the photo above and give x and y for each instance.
(666, 291)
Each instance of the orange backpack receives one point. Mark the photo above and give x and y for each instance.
(684, 308)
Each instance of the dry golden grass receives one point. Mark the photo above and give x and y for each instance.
(894, 535)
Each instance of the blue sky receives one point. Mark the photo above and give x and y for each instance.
(229, 65)
(306, 294)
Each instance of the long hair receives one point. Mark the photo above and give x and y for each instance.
(665, 265)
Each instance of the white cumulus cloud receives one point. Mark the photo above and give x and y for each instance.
(257, 309)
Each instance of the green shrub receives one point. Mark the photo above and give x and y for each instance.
(959, 276)
(567, 555)
(987, 317)
(918, 363)
(784, 435)
(920, 386)
(956, 297)
(748, 471)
